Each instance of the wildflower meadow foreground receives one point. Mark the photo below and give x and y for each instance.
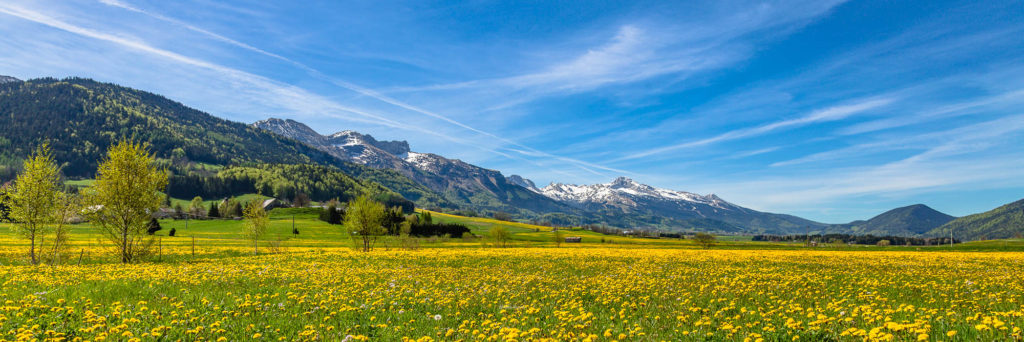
(525, 294)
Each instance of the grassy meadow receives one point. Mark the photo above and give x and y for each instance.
(314, 286)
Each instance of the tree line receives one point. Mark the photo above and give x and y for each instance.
(856, 239)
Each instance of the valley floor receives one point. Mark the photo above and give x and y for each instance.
(313, 286)
(525, 294)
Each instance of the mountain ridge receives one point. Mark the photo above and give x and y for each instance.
(624, 195)
(459, 182)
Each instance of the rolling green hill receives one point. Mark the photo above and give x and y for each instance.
(911, 220)
(1004, 222)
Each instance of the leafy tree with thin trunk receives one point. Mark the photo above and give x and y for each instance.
(68, 205)
(704, 240)
(124, 197)
(196, 207)
(301, 200)
(500, 235)
(559, 237)
(256, 222)
(33, 198)
(364, 218)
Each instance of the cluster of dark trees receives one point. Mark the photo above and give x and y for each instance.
(4, 210)
(186, 186)
(332, 214)
(856, 239)
(397, 222)
(454, 230)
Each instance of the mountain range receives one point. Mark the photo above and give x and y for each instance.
(622, 201)
(458, 182)
(81, 118)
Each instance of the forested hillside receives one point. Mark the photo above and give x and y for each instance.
(1007, 221)
(913, 220)
(81, 118)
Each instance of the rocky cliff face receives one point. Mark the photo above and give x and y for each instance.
(459, 181)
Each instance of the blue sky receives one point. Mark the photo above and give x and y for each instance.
(829, 110)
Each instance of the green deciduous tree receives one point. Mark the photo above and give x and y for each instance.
(256, 223)
(196, 207)
(500, 235)
(364, 218)
(125, 196)
(33, 198)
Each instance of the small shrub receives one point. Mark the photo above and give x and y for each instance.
(153, 227)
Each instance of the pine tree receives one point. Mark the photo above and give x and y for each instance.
(214, 211)
(153, 227)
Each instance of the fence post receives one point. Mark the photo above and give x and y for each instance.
(80, 255)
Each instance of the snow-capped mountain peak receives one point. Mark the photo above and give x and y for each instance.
(624, 191)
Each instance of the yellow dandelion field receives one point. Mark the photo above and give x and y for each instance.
(526, 294)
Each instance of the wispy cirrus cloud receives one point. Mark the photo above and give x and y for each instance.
(824, 115)
(517, 147)
(641, 51)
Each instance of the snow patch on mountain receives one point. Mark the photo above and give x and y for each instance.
(8, 79)
(523, 182)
